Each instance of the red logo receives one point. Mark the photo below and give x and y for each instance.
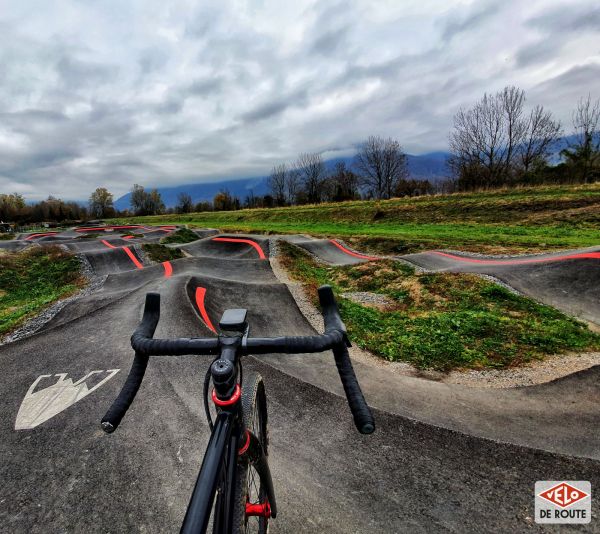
(563, 495)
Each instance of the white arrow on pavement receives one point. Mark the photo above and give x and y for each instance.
(46, 403)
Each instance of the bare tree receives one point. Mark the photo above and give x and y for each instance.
(381, 164)
(512, 101)
(311, 170)
(586, 121)
(342, 184)
(292, 185)
(277, 183)
(184, 203)
(495, 140)
(542, 132)
(584, 154)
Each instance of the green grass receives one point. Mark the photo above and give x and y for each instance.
(442, 321)
(160, 253)
(183, 235)
(33, 279)
(511, 220)
(6, 236)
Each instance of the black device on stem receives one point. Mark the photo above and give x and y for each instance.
(235, 468)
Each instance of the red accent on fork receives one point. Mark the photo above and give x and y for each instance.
(245, 446)
(261, 509)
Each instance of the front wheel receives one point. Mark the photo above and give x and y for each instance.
(249, 487)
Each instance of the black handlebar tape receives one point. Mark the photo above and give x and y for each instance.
(293, 344)
(363, 418)
(119, 407)
(151, 316)
(331, 314)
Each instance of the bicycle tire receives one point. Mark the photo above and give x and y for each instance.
(249, 487)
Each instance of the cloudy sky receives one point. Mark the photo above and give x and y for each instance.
(117, 92)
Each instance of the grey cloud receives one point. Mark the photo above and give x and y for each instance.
(152, 59)
(538, 52)
(79, 73)
(471, 20)
(275, 107)
(568, 18)
(36, 115)
(330, 41)
(205, 87)
(173, 104)
(578, 80)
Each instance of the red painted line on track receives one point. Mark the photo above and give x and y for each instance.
(254, 244)
(350, 253)
(103, 228)
(200, 294)
(131, 255)
(168, 268)
(40, 235)
(580, 256)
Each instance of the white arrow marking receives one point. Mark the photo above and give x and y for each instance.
(46, 403)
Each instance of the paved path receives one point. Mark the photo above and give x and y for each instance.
(442, 474)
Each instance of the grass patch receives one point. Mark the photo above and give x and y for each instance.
(33, 279)
(183, 235)
(441, 321)
(160, 253)
(6, 236)
(508, 220)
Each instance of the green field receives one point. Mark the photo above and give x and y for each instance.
(440, 321)
(512, 220)
(33, 279)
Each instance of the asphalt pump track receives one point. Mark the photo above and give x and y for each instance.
(443, 457)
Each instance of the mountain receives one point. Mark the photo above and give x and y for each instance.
(431, 166)
(203, 192)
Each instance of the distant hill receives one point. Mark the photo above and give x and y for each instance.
(202, 192)
(430, 166)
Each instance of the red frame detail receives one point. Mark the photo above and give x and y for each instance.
(244, 447)
(261, 509)
(237, 393)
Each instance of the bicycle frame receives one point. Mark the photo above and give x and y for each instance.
(222, 446)
(219, 469)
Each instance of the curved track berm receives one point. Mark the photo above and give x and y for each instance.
(569, 280)
(439, 475)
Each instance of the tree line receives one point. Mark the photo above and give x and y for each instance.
(500, 142)
(379, 170)
(497, 142)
